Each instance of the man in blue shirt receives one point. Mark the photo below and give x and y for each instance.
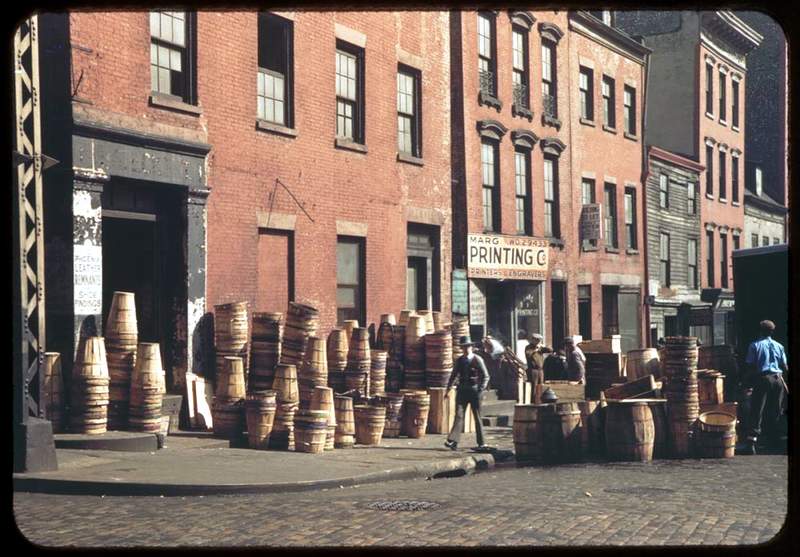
(766, 361)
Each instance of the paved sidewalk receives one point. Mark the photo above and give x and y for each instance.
(194, 463)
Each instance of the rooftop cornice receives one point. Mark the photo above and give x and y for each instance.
(725, 24)
(616, 36)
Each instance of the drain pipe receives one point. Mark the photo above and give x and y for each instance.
(645, 176)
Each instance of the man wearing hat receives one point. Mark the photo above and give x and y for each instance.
(535, 355)
(472, 378)
(576, 361)
(766, 361)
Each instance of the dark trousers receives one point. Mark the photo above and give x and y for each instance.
(473, 398)
(535, 376)
(766, 404)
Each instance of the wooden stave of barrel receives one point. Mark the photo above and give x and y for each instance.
(369, 421)
(52, 393)
(683, 408)
(260, 407)
(344, 436)
(146, 396)
(89, 389)
(591, 427)
(414, 413)
(310, 431)
(629, 431)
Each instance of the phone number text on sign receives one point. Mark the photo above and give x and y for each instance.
(507, 257)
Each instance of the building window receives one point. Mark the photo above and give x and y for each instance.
(723, 188)
(586, 85)
(549, 93)
(522, 162)
(735, 178)
(723, 246)
(723, 101)
(736, 242)
(585, 311)
(709, 89)
(709, 170)
(630, 110)
(610, 219)
(487, 59)
(608, 18)
(735, 107)
(664, 261)
(764, 241)
(274, 69)
(587, 198)
(754, 240)
(519, 49)
(349, 92)
(776, 241)
(691, 259)
(609, 103)
(409, 129)
(691, 198)
(759, 180)
(610, 296)
(171, 54)
(350, 273)
(710, 258)
(552, 225)
(663, 191)
(491, 187)
(630, 218)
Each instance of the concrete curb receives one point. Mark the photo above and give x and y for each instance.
(445, 468)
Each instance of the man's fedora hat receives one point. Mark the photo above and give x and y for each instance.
(465, 341)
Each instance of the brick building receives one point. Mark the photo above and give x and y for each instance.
(697, 109)
(520, 152)
(231, 172)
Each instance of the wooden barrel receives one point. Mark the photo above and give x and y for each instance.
(438, 359)
(393, 402)
(561, 436)
(144, 413)
(716, 435)
(388, 318)
(658, 407)
(527, 430)
(302, 322)
(415, 409)
(377, 371)
(641, 363)
(344, 436)
(384, 338)
(285, 384)
(369, 421)
(52, 394)
(260, 416)
(265, 349)
(349, 325)
(282, 435)
(231, 326)
(591, 427)
(90, 361)
(121, 322)
(322, 399)
(337, 347)
(230, 384)
(314, 370)
(414, 372)
(629, 430)
(310, 431)
(89, 388)
(405, 315)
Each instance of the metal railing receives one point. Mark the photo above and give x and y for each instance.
(520, 95)
(486, 82)
(549, 105)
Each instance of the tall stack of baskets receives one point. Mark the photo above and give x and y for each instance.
(52, 396)
(227, 408)
(322, 399)
(458, 329)
(287, 402)
(683, 403)
(395, 366)
(438, 358)
(89, 388)
(145, 393)
(414, 372)
(358, 362)
(122, 336)
(384, 337)
(344, 436)
(377, 372)
(314, 370)
(302, 322)
(231, 334)
(265, 350)
(337, 359)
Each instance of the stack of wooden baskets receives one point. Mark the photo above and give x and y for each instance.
(438, 358)
(89, 389)
(314, 370)
(414, 372)
(395, 374)
(52, 396)
(231, 334)
(122, 336)
(265, 350)
(681, 392)
(337, 359)
(358, 362)
(287, 399)
(384, 337)
(227, 409)
(427, 316)
(393, 402)
(414, 413)
(370, 421)
(145, 395)
(458, 329)
(302, 322)
(377, 372)
(260, 417)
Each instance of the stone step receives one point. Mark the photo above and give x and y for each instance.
(499, 408)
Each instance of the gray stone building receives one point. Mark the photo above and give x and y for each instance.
(764, 217)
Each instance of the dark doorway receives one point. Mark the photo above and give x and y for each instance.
(610, 311)
(559, 304)
(422, 268)
(417, 283)
(585, 311)
(670, 325)
(500, 311)
(630, 311)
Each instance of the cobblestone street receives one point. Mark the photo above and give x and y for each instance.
(737, 501)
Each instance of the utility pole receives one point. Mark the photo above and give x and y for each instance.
(34, 449)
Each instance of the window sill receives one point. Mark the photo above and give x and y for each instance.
(349, 145)
(588, 247)
(710, 115)
(709, 196)
(609, 129)
(723, 122)
(522, 112)
(548, 120)
(735, 128)
(723, 200)
(735, 203)
(665, 209)
(556, 242)
(410, 159)
(170, 102)
(632, 251)
(587, 122)
(270, 127)
(631, 136)
(489, 100)
(611, 250)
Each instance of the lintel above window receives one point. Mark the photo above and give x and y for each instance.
(524, 139)
(491, 129)
(550, 31)
(552, 145)
(522, 18)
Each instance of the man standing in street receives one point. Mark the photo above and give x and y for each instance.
(472, 378)
(766, 361)
(535, 355)
(576, 361)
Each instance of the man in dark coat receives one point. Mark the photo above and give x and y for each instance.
(535, 354)
(472, 378)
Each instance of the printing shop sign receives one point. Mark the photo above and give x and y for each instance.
(492, 256)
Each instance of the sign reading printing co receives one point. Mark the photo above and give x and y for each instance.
(506, 257)
(590, 222)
